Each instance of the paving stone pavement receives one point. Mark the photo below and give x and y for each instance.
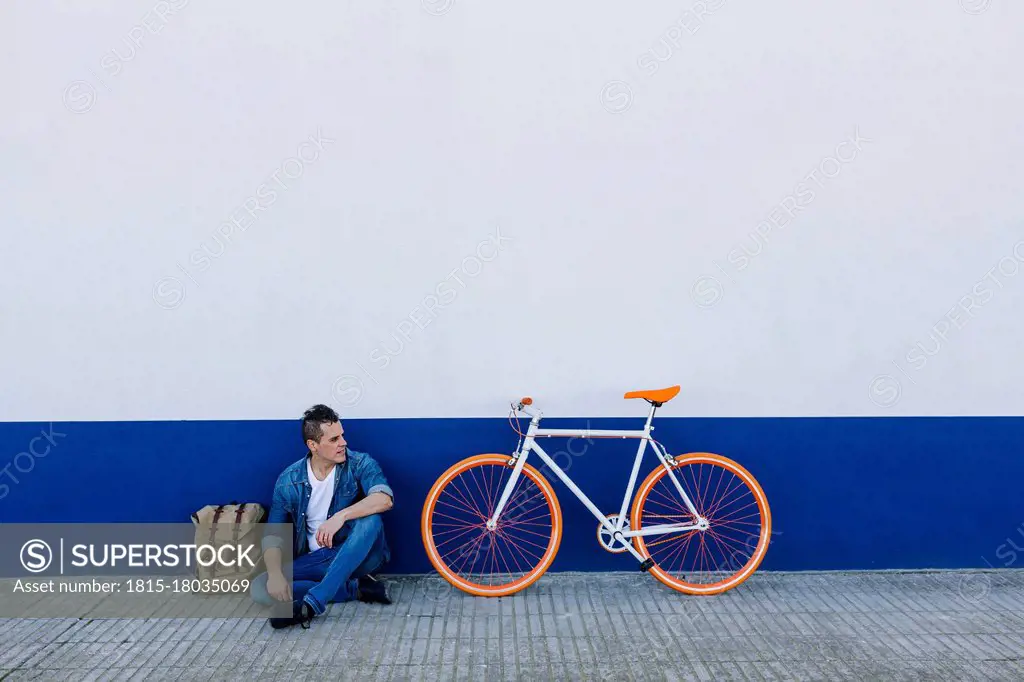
(607, 626)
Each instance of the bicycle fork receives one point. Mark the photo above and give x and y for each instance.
(520, 461)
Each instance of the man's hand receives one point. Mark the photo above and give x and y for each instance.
(278, 587)
(325, 533)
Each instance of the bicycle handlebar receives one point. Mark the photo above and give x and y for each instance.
(524, 406)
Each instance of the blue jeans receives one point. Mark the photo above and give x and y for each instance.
(329, 574)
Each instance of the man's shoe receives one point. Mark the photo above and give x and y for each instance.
(372, 591)
(302, 614)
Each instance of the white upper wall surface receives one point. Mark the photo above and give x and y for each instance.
(238, 209)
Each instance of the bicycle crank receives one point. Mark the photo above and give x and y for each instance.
(607, 540)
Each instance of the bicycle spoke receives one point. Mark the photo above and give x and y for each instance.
(698, 487)
(728, 548)
(732, 509)
(666, 500)
(528, 531)
(683, 548)
(465, 499)
(532, 521)
(518, 550)
(742, 520)
(671, 539)
(486, 501)
(459, 505)
(462, 522)
(733, 485)
(462, 530)
(491, 495)
(463, 549)
(470, 551)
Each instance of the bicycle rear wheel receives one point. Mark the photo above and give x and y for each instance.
(720, 557)
(499, 562)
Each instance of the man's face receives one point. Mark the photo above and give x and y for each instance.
(332, 446)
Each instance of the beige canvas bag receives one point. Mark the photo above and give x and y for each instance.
(234, 524)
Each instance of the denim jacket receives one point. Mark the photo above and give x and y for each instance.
(355, 478)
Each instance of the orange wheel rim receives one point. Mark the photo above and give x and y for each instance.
(474, 558)
(734, 544)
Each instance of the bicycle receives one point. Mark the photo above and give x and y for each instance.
(491, 523)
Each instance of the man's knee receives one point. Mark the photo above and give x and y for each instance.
(368, 524)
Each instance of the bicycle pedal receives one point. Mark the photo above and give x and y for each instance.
(647, 565)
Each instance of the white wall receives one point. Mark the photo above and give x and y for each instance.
(450, 121)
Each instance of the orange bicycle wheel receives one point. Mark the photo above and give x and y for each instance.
(724, 554)
(483, 562)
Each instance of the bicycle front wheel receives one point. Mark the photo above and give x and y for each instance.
(483, 562)
(714, 559)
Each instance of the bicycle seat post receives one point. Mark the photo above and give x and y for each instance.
(650, 416)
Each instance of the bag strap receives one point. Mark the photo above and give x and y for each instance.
(213, 526)
(238, 523)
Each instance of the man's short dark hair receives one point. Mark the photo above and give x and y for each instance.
(313, 420)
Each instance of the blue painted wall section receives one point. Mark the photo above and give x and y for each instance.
(846, 493)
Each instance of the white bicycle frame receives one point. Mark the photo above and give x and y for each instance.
(614, 528)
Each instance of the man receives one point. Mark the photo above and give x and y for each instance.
(334, 498)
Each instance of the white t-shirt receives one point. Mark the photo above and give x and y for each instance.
(319, 503)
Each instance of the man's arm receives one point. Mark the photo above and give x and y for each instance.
(277, 586)
(379, 498)
(374, 503)
(272, 540)
(371, 478)
(272, 557)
